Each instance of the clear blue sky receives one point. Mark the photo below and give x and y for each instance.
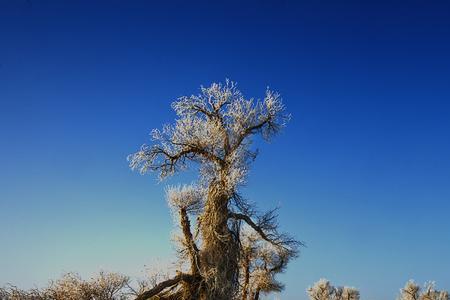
(362, 172)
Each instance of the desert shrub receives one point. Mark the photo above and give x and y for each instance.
(412, 291)
(11, 292)
(106, 286)
(323, 290)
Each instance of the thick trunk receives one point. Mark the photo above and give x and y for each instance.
(220, 251)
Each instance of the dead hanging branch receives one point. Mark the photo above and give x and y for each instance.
(266, 226)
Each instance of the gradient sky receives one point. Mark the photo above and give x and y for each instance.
(362, 172)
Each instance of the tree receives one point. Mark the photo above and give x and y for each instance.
(214, 129)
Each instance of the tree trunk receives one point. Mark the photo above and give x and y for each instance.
(190, 243)
(219, 255)
(256, 297)
(246, 267)
(190, 290)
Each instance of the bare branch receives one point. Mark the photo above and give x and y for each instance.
(267, 229)
(166, 284)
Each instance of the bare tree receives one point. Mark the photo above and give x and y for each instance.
(215, 130)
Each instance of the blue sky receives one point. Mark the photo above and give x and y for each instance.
(362, 171)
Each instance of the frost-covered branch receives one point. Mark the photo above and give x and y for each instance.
(264, 117)
(168, 160)
(213, 127)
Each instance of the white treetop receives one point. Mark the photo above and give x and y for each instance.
(214, 129)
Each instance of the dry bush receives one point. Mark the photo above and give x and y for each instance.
(106, 286)
(14, 293)
(412, 291)
(323, 290)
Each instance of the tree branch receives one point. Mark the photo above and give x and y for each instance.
(249, 221)
(156, 158)
(165, 284)
(250, 130)
(190, 243)
(272, 236)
